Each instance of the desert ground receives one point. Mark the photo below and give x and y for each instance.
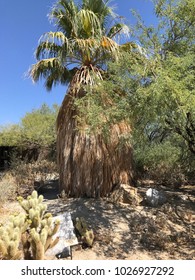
(127, 232)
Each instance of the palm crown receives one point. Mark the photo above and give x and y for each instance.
(83, 42)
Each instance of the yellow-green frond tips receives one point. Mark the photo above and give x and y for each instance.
(43, 67)
(57, 37)
(89, 24)
(85, 36)
(49, 69)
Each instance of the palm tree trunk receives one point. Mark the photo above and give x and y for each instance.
(89, 165)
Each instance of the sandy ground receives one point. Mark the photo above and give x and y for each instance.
(126, 232)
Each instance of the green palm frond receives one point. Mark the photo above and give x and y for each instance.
(85, 45)
(108, 44)
(54, 37)
(55, 77)
(109, 49)
(89, 23)
(96, 49)
(47, 49)
(100, 8)
(81, 41)
(53, 44)
(43, 68)
(64, 15)
(51, 70)
(84, 50)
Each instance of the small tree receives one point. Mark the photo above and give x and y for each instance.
(36, 129)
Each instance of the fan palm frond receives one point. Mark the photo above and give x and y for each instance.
(53, 44)
(108, 44)
(56, 77)
(51, 70)
(54, 37)
(89, 23)
(82, 40)
(47, 49)
(100, 8)
(64, 15)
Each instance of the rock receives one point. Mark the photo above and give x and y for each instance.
(126, 194)
(45, 179)
(52, 176)
(155, 198)
(66, 236)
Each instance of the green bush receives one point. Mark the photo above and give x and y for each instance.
(161, 161)
(36, 129)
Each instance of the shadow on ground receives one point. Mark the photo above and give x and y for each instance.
(165, 232)
(50, 189)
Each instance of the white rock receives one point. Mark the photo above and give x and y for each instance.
(66, 236)
(154, 197)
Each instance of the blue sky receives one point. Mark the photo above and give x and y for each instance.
(22, 23)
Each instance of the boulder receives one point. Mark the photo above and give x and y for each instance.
(155, 198)
(66, 235)
(126, 194)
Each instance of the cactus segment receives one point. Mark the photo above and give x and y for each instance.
(33, 231)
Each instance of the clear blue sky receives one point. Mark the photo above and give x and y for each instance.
(22, 23)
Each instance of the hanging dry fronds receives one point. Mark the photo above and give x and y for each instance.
(77, 54)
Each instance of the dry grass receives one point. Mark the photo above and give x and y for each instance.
(8, 187)
(26, 174)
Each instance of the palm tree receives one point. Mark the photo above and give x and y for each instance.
(76, 55)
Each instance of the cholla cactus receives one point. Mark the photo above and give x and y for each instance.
(43, 239)
(86, 235)
(34, 230)
(10, 237)
(34, 208)
(88, 238)
(41, 228)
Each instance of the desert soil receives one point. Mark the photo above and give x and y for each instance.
(130, 232)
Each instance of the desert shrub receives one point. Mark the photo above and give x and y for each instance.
(36, 129)
(26, 174)
(161, 161)
(8, 187)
